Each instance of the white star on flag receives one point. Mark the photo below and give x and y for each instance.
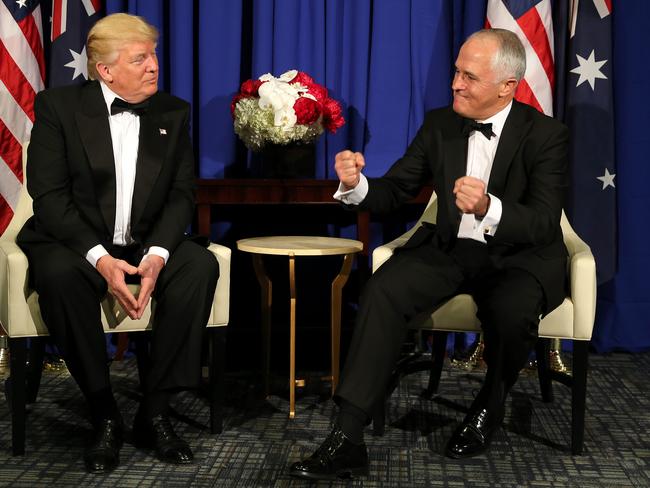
(607, 179)
(79, 63)
(21, 3)
(589, 70)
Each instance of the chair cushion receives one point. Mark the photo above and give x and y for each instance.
(459, 315)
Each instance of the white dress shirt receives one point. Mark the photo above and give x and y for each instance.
(480, 156)
(125, 136)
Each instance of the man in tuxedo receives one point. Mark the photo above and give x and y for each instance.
(498, 168)
(111, 172)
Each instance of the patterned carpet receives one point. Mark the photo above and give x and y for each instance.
(259, 441)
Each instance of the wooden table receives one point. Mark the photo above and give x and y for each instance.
(293, 246)
(246, 191)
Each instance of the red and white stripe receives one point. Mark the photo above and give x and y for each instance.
(22, 75)
(535, 30)
(59, 18)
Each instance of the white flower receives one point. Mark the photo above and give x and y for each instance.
(288, 75)
(285, 118)
(280, 97)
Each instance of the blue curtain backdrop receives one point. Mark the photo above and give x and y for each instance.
(387, 62)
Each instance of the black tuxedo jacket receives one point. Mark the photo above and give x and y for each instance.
(71, 172)
(528, 175)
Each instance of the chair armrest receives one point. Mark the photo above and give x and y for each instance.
(13, 271)
(582, 285)
(381, 254)
(220, 312)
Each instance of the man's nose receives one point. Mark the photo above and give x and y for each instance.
(152, 66)
(457, 82)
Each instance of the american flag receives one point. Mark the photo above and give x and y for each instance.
(532, 21)
(589, 113)
(22, 75)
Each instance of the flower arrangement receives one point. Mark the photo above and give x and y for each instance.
(290, 109)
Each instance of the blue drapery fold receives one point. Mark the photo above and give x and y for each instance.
(387, 62)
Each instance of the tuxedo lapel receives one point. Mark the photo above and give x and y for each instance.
(455, 166)
(151, 154)
(511, 138)
(95, 134)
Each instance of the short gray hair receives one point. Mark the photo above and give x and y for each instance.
(510, 58)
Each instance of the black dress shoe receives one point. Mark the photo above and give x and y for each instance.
(103, 454)
(337, 457)
(474, 435)
(157, 433)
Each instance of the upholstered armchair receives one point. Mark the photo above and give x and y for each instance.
(572, 320)
(21, 319)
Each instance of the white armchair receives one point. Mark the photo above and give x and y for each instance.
(573, 320)
(21, 319)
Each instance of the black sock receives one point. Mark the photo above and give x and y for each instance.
(155, 403)
(352, 420)
(102, 404)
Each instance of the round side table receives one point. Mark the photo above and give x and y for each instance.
(292, 246)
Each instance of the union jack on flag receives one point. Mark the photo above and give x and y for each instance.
(71, 21)
(532, 21)
(22, 75)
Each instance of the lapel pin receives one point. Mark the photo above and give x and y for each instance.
(163, 132)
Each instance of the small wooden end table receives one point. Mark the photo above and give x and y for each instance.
(293, 246)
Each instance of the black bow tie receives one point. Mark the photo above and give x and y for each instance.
(118, 106)
(472, 125)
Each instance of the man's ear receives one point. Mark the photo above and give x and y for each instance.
(104, 72)
(508, 88)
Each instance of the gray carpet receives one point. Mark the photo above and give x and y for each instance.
(259, 441)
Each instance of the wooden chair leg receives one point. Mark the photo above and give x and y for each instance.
(579, 394)
(17, 393)
(542, 351)
(438, 351)
(217, 381)
(35, 358)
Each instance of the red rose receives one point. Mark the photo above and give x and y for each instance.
(303, 79)
(332, 115)
(249, 88)
(307, 110)
(319, 92)
(235, 99)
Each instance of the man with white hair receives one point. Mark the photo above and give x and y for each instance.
(111, 172)
(498, 168)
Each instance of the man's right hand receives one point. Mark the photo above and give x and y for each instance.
(113, 271)
(348, 166)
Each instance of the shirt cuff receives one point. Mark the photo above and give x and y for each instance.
(157, 251)
(95, 253)
(354, 196)
(490, 222)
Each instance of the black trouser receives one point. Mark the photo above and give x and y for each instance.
(70, 291)
(413, 281)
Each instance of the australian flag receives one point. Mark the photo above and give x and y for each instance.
(589, 113)
(71, 21)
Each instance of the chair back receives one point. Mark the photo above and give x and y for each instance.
(24, 209)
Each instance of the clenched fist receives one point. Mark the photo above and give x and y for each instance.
(471, 197)
(348, 166)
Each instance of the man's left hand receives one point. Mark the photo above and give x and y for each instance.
(471, 197)
(149, 270)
